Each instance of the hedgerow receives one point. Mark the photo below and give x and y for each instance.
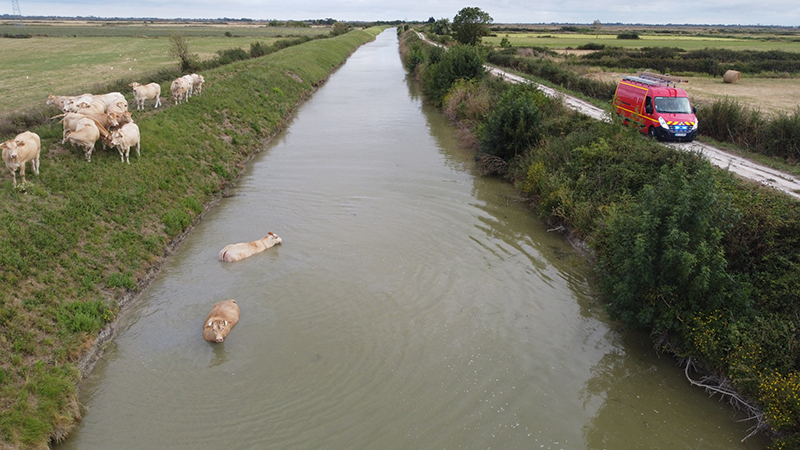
(708, 262)
(712, 61)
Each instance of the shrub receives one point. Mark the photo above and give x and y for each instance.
(662, 261)
(628, 35)
(231, 55)
(258, 49)
(469, 102)
(781, 136)
(460, 62)
(515, 124)
(591, 46)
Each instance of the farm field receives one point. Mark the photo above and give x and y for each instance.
(33, 68)
(148, 28)
(769, 95)
(687, 38)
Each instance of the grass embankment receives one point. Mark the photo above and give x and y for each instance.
(708, 262)
(82, 236)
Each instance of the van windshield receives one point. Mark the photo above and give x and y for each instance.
(673, 105)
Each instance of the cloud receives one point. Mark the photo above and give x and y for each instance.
(769, 12)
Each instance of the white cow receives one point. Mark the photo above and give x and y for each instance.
(188, 81)
(61, 101)
(197, 83)
(124, 138)
(142, 92)
(70, 121)
(242, 250)
(24, 147)
(112, 99)
(77, 102)
(87, 133)
(180, 90)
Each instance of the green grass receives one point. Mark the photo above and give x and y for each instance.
(81, 233)
(31, 69)
(563, 40)
(138, 28)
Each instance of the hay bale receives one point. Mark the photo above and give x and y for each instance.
(732, 76)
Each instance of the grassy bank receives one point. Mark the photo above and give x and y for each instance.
(708, 262)
(83, 237)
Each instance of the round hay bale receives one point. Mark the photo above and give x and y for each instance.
(732, 76)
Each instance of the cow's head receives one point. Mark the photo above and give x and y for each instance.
(9, 148)
(121, 118)
(272, 239)
(218, 328)
(111, 139)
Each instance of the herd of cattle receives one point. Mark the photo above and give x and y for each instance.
(88, 118)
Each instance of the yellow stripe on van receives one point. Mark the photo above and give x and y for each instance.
(633, 85)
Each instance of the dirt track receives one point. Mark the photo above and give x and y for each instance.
(740, 166)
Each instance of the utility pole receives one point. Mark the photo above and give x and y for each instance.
(17, 14)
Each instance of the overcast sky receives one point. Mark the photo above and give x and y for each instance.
(716, 12)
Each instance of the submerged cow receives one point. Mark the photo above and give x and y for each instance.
(242, 250)
(220, 320)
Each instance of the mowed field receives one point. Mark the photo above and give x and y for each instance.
(769, 95)
(77, 58)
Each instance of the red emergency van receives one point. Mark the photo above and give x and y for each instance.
(653, 104)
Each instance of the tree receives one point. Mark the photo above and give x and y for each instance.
(339, 28)
(460, 62)
(180, 49)
(470, 24)
(441, 27)
(596, 25)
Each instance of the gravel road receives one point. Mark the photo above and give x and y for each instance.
(742, 167)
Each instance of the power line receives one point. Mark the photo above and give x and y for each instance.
(17, 14)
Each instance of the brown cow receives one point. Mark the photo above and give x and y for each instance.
(220, 320)
(242, 250)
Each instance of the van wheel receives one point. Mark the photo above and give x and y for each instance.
(651, 132)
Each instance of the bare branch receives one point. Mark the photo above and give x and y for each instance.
(723, 388)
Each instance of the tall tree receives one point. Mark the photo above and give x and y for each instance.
(470, 25)
(441, 27)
